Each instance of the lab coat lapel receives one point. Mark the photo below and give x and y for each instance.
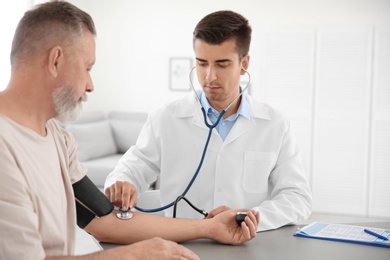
(189, 107)
(243, 124)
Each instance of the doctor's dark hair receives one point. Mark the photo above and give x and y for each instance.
(47, 25)
(220, 26)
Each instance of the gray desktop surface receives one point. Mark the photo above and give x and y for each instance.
(281, 244)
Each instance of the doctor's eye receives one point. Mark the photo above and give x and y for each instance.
(223, 64)
(202, 64)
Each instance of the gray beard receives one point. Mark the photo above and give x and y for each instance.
(67, 108)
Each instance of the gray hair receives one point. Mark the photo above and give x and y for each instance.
(47, 25)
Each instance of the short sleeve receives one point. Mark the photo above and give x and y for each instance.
(19, 236)
(68, 144)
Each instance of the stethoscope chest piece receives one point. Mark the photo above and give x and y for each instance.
(124, 214)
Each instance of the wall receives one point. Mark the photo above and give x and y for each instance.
(139, 37)
(10, 13)
(325, 63)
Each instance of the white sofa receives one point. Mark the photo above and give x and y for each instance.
(103, 139)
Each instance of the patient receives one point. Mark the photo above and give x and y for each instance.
(44, 190)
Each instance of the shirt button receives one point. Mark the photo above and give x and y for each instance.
(223, 123)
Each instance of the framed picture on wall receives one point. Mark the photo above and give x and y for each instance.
(179, 69)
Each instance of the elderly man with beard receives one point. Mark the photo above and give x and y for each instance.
(44, 189)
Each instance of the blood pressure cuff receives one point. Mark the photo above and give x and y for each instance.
(90, 202)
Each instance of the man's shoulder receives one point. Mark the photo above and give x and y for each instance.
(8, 127)
(5, 127)
(60, 134)
(55, 125)
(5, 121)
(183, 105)
(264, 110)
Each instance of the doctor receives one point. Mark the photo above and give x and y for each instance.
(253, 160)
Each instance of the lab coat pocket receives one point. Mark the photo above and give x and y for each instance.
(257, 167)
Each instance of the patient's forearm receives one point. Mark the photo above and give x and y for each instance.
(143, 226)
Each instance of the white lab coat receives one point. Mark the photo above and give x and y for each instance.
(257, 166)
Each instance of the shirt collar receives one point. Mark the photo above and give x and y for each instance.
(243, 109)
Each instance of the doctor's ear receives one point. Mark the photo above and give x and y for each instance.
(244, 67)
(244, 64)
(243, 71)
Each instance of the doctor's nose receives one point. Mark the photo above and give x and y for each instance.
(211, 74)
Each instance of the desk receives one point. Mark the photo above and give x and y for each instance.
(281, 244)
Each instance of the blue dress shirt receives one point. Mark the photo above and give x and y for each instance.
(225, 125)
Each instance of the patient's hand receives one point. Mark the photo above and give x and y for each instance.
(158, 248)
(122, 194)
(225, 229)
(216, 211)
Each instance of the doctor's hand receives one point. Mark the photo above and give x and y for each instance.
(122, 194)
(220, 209)
(225, 229)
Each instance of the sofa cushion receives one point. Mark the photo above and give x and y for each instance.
(88, 117)
(98, 169)
(94, 139)
(126, 128)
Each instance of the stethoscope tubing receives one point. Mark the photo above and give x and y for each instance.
(211, 127)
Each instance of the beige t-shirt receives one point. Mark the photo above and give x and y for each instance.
(37, 206)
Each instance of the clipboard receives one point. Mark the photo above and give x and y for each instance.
(345, 233)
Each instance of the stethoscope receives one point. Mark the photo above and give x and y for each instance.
(126, 214)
